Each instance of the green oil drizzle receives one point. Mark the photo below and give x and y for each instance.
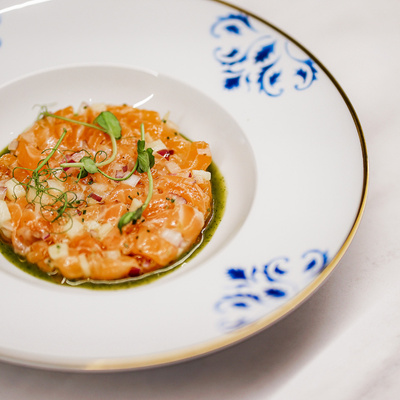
(219, 194)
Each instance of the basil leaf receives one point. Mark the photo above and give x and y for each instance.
(89, 165)
(109, 122)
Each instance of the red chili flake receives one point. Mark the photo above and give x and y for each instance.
(165, 153)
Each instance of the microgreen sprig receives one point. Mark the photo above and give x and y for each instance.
(145, 162)
(106, 122)
(52, 200)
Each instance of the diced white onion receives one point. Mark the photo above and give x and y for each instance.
(58, 250)
(4, 213)
(6, 232)
(172, 167)
(98, 107)
(14, 189)
(75, 229)
(84, 264)
(3, 191)
(57, 185)
(132, 180)
(104, 230)
(31, 195)
(156, 145)
(136, 203)
(77, 156)
(148, 138)
(113, 254)
(92, 225)
(83, 106)
(171, 236)
(7, 225)
(201, 175)
(13, 145)
(99, 188)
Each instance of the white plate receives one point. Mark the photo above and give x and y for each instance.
(281, 130)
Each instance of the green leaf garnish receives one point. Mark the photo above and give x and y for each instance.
(144, 163)
(131, 216)
(89, 164)
(145, 160)
(109, 122)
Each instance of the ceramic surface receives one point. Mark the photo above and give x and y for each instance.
(281, 130)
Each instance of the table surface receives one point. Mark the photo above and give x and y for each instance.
(344, 342)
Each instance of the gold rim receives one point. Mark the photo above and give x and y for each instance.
(255, 327)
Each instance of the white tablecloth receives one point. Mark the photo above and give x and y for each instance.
(344, 342)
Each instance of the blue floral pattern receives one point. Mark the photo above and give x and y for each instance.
(251, 292)
(263, 60)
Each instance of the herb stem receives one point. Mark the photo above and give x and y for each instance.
(54, 149)
(150, 191)
(74, 121)
(123, 178)
(113, 155)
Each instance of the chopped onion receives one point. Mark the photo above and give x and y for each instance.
(201, 175)
(84, 105)
(76, 157)
(14, 189)
(132, 180)
(65, 169)
(165, 153)
(99, 188)
(104, 230)
(173, 167)
(134, 271)
(136, 203)
(119, 174)
(113, 254)
(58, 250)
(3, 191)
(96, 197)
(4, 212)
(98, 107)
(13, 145)
(84, 264)
(156, 145)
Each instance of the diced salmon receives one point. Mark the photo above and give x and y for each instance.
(91, 208)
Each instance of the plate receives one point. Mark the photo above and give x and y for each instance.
(282, 132)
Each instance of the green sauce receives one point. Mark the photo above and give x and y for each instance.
(219, 193)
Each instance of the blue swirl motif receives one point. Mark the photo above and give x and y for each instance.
(250, 58)
(252, 292)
